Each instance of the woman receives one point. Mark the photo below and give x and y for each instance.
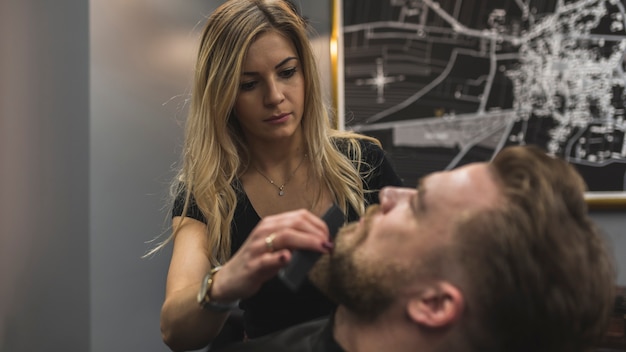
(261, 164)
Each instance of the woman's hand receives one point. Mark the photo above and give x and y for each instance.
(268, 249)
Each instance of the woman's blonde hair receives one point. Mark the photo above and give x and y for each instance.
(215, 152)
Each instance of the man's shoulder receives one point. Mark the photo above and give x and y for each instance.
(302, 337)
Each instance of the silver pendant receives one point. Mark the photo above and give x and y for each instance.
(281, 193)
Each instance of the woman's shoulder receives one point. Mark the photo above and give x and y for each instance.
(372, 160)
(369, 146)
(193, 210)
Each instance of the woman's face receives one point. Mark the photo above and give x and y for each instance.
(270, 102)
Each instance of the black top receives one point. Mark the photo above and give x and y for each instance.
(275, 306)
(313, 336)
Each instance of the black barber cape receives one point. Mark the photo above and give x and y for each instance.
(313, 336)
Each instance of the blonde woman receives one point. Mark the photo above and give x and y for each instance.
(261, 164)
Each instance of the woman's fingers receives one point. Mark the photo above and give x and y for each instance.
(291, 239)
(299, 220)
(270, 263)
(269, 248)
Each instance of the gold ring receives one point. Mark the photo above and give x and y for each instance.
(269, 242)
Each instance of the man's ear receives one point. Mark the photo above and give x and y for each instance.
(439, 305)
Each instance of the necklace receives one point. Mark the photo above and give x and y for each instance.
(281, 188)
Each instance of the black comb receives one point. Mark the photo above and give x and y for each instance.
(303, 260)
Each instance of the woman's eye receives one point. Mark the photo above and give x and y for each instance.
(248, 85)
(288, 72)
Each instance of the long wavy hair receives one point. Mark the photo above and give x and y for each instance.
(215, 153)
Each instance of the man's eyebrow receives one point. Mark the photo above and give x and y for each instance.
(248, 73)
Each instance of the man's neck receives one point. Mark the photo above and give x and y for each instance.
(389, 332)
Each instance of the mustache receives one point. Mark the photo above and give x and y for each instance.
(371, 210)
(369, 214)
(367, 219)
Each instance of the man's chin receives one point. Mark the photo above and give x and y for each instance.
(356, 287)
(351, 279)
(329, 273)
(320, 275)
(323, 270)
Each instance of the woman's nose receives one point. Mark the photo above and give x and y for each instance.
(273, 94)
(391, 196)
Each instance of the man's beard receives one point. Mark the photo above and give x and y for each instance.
(364, 287)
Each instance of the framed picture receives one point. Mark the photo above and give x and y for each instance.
(449, 82)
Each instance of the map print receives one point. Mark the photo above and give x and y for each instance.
(445, 83)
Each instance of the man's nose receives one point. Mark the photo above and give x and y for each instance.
(391, 196)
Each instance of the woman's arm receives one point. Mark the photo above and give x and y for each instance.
(184, 324)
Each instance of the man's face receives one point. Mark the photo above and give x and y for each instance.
(378, 259)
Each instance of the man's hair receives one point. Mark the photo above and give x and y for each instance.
(538, 274)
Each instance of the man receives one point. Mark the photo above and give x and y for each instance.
(498, 256)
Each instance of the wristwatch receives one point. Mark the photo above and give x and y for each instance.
(204, 298)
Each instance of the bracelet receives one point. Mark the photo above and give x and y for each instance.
(204, 298)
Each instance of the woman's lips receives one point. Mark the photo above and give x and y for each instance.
(279, 118)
